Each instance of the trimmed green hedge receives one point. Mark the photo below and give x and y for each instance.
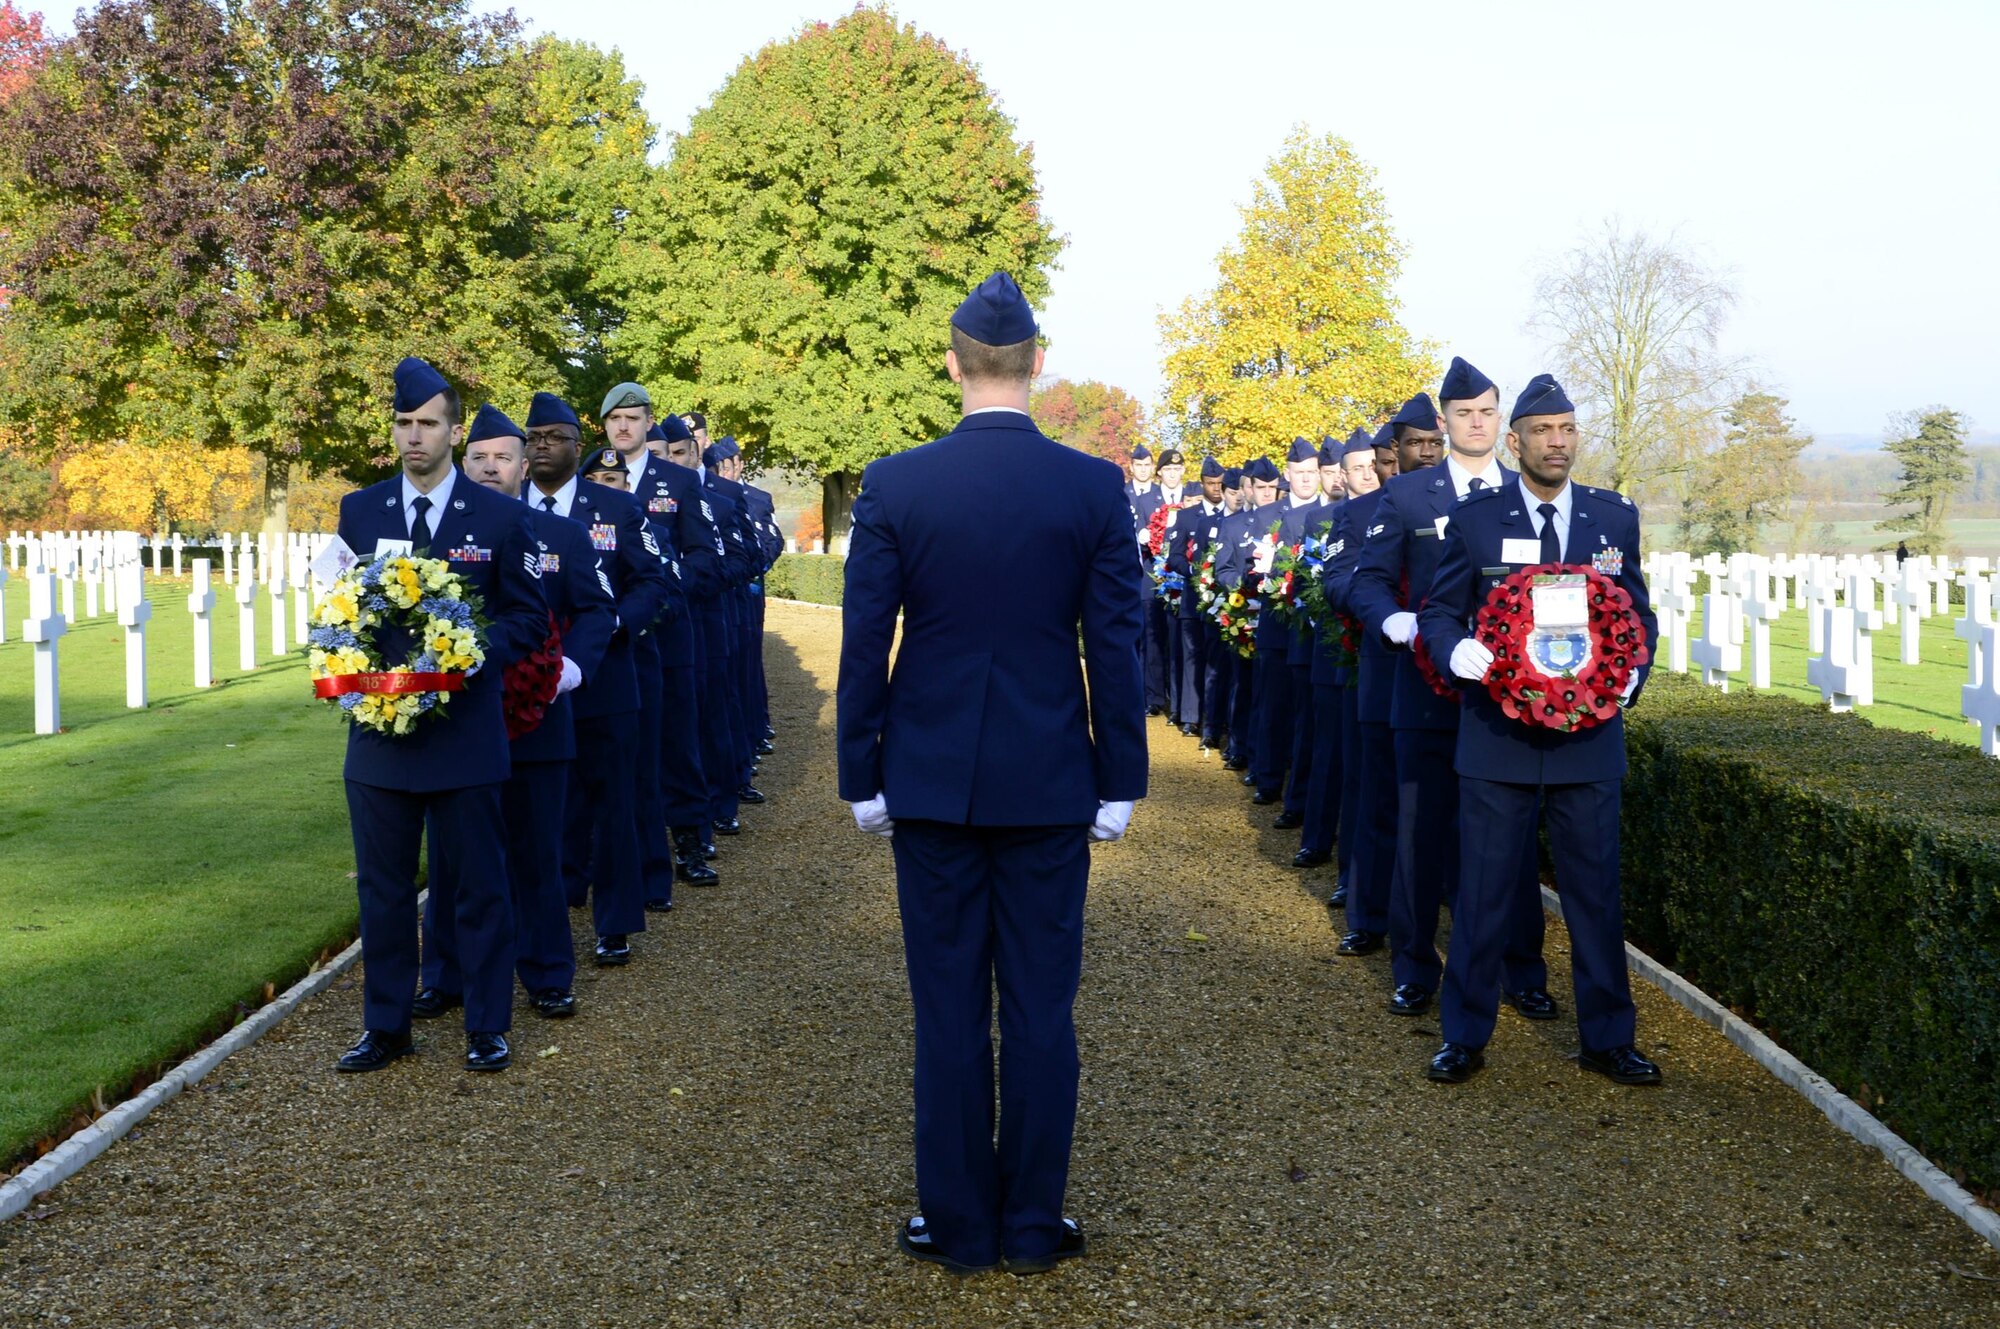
(814, 578)
(1837, 883)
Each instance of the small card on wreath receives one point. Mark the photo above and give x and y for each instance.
(1560, 640)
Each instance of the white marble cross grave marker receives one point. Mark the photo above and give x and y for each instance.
(1718, 652)
(277, 580)
(177, 554)
(1980, 702)
(1845, 675)
(134, 611)
(246, 612)
(1676, 598)
(201, 603)
(228, 561)
(1978, 613)
(1912, 595)
(1761, 608)
(45, 627)
(3, 602)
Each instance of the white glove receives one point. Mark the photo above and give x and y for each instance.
(1470, 659)
(572, 677)
(1267, 554)
(1112, 819)
(873, 817)
(1400, 627)
(1631, 686)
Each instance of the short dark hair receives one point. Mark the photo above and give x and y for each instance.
(454, 409)
(978, 362)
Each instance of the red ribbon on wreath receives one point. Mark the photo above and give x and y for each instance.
(386, 684)
(528, 686)
(1566, 704)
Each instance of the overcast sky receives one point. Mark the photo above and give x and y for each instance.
(1839, 160)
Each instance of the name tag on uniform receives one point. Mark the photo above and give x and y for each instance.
(1442, 522)
(662, 503)
(604, 537)
(469, 554)
(1521, 551)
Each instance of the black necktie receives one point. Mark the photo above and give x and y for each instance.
(1475, 484)
(420, 529)
(548, 503)
(1551, 546)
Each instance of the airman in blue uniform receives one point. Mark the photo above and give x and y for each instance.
(1504, 766)
(1305, 508)
(451, 767)
(1190, 531)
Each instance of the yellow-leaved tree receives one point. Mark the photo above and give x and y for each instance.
(1300, 334)
(152, 486)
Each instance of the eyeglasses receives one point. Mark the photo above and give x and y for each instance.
(551, 436)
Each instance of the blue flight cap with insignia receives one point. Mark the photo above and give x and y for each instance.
(1232, 477)
(1418, 413)
(603, 459)
(676, 429)
(1462, 382)
(416, 383)
(1358, 441)
(491, 422)
(656, 434)
(1302, 449)
(1260, 469)
(1172, 457)
(1211, 469)
(996, 313)
(1140, 452)
(622, 396)
(549, 409)
(1542, 396)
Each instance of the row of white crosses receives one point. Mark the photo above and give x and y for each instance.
(114, 560)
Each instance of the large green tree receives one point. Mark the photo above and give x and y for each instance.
(226, 220)
(821, 219)
(1746, 482)
(1301, 334)
(1930, 447)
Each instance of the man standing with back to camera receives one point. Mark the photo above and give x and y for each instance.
(990, 770)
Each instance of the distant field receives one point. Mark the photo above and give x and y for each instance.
(1968, 535)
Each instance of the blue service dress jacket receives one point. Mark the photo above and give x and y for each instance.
(1400, 549)
(987, 720)
(1603, 533)
(1373, 672)
(487, 539)
(645, 591)
(579, 596)
(684, 528)
(1194, 529)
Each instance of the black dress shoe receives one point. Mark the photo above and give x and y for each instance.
(729, 826)
(695, 871)
(914, 1240)
(1249, 779)
(750, 794)
(486, 1052)
(553, 1003)
(1338, 900)
(1533, 1004)
(1288, 821)
(1235, 763)
(1410, 999)
(375, 1051)
(1310, 858)
(431, 1003)
(1155, 710)
(1190, 731)
(659, 906)
(764, 748)
(613, 950)
(1455, 1063)
(1263, 799)
(1624, 1065)
(708, 850)
(1069, 1247)
(1360, 942)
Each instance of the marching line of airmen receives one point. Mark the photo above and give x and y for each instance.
(647, 558)
(1423, 801)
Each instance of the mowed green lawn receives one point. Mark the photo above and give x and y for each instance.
(156, 866)
(1923, 697)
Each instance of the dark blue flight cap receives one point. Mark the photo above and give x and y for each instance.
(1358, 441)
(1462, 382)
(1385, 437)
(1542, 396)
(674, 429)
(416, 383)
(996, 313)
(1140, 452)
(549, 409)
(720, 451)
(656, 435)
(1232, 477)
(1260, 469)
(491, 422)
(603, 459)
(1302, 449)
(1211, 469)
(1418, 412)
(1329, 451)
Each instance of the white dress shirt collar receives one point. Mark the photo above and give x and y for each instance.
(565, 497)
(1461, 479)
(440, 500)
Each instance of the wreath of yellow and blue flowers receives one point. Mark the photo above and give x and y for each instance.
(429, 603)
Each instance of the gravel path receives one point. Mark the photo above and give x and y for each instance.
(722, 1136)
